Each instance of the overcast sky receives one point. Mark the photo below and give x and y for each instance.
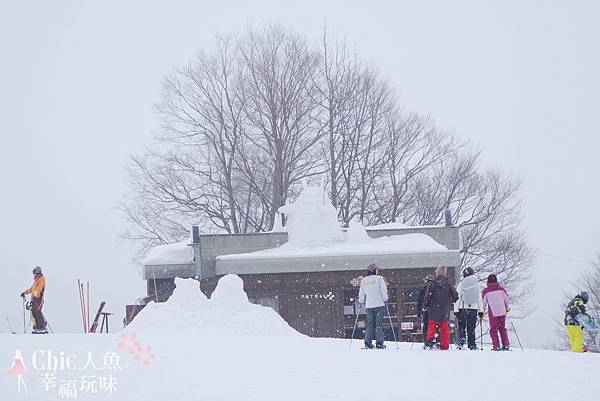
(78, 81)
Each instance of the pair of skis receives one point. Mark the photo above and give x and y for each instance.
(84, 303)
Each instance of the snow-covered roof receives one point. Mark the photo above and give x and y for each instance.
(387, 226)
(398, 226)
(178, 253)
(395, 244)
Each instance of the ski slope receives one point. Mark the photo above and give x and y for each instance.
(221, 358)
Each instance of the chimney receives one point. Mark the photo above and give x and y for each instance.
(448, 218)
(195, 235)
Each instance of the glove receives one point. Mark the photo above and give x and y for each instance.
(22, 295)
(480, 315)
(508, 309)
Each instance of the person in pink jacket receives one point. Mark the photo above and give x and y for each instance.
(495, 301)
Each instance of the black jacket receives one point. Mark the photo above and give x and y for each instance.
(421, 300)
(439, 297)
(574, 308)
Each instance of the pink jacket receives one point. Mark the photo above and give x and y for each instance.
(496, 298)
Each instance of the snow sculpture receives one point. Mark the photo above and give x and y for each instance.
(230, 292)
(187, 295)
(311, 219)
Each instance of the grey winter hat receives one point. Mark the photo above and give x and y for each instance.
(584, 295)
(37, 270)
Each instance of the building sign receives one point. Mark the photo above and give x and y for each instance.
(407, 325)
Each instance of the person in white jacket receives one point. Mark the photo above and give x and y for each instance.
(373, 293)
(467, 308)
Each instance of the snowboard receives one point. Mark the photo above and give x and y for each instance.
(587, 322)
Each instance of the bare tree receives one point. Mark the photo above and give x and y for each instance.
(414, 147)
(485, 206)
(336, 82)
(243, 124)
(279, 93)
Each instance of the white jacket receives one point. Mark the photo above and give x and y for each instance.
(460, 304)
(373, 290)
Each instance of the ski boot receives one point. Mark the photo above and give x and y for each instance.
(368, 346)
(505, 348)
(380, 346)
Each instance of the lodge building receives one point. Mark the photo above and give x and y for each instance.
(313, 289)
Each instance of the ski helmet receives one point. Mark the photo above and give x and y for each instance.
(468, 272)
(37, 270)
(584, 295)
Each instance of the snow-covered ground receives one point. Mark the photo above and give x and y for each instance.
(192, 348)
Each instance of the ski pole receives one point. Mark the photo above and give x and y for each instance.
(516, 334)
(353, 329)
(9, 326)
(481, 330)
(392, 325)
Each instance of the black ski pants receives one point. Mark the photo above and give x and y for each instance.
(425, 325)
(38, 316)
(467, 320)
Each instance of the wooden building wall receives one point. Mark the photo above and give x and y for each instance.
(313, 303)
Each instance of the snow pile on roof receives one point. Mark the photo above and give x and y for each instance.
(313, 230)
(227, 312)
(178, 253)
(311, 219)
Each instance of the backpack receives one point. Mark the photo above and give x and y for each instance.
(470, 291)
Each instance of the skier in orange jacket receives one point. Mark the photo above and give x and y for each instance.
(37, 300)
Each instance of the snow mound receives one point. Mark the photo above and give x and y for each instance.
(230, 293)
(170, 254)
(227, 312)
(188, 295)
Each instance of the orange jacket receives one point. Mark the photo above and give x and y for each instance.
(38, 287)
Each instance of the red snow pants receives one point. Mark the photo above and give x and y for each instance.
(444, 333)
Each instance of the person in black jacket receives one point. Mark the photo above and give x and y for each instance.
(439, 299)
(420, 300)
(574, 328)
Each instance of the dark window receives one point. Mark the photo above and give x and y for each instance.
(271, 302)
(411, 294)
